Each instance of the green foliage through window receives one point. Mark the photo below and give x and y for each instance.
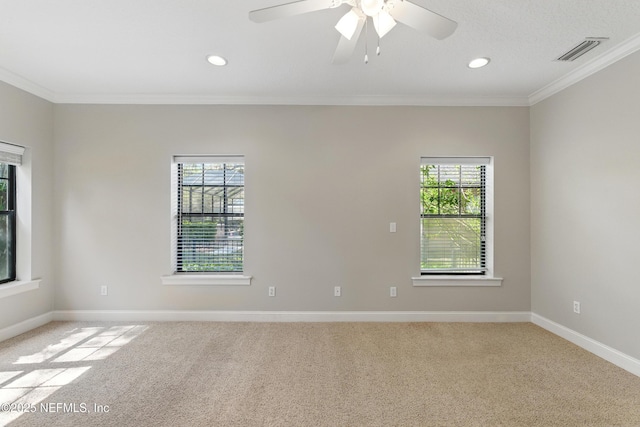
(210, 217)
(452, 218)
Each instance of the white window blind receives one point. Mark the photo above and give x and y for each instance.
(453, 215)
(209, 213)
(11, 154)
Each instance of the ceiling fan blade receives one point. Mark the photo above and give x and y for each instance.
(346, 47)
(291, 9)
(422, 19)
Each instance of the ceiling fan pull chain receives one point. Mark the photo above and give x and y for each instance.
(366, 41)
(378, 48)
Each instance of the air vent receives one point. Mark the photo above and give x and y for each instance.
(582, 48)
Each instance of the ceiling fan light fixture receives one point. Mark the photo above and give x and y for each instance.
(216, 60)
(479, 62)
(383, 23)
(371, 7)
(383, 13)
(348, 24)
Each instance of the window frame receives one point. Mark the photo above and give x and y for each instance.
(20, 157)
(451, 278)
(197, 278)
(10, 213)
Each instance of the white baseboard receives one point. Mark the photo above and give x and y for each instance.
(609, 354)
(25, 326)
(293, 316)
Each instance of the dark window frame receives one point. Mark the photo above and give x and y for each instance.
(10, 213)
(228, 212)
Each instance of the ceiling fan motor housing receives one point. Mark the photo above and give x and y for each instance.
(371, 7)
(383, 13)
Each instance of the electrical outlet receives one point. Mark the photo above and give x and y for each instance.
(392, 227)
(272, 291)
(393, 291)
(337, 291)
(104, 290)
(576, 307)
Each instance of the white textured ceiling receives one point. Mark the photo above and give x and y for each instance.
(153, 51)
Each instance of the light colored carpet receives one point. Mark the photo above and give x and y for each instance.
(311, 374)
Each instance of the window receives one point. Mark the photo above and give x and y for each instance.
(15, 233)
(7, 222)
(209, 214)
(453, 212)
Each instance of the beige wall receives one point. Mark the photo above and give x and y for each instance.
(585, 157)
(322, 185)
(28, 121)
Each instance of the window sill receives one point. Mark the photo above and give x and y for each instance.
(17, 287)
(456, 281)
(206, 280)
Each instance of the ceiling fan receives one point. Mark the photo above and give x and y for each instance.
(383, 13)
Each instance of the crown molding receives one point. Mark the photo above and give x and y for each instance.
(622, 50)
(26, 85)
(170, 99)
(173, 99)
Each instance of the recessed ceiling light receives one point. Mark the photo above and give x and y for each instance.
(216, 60)
(479, 62)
